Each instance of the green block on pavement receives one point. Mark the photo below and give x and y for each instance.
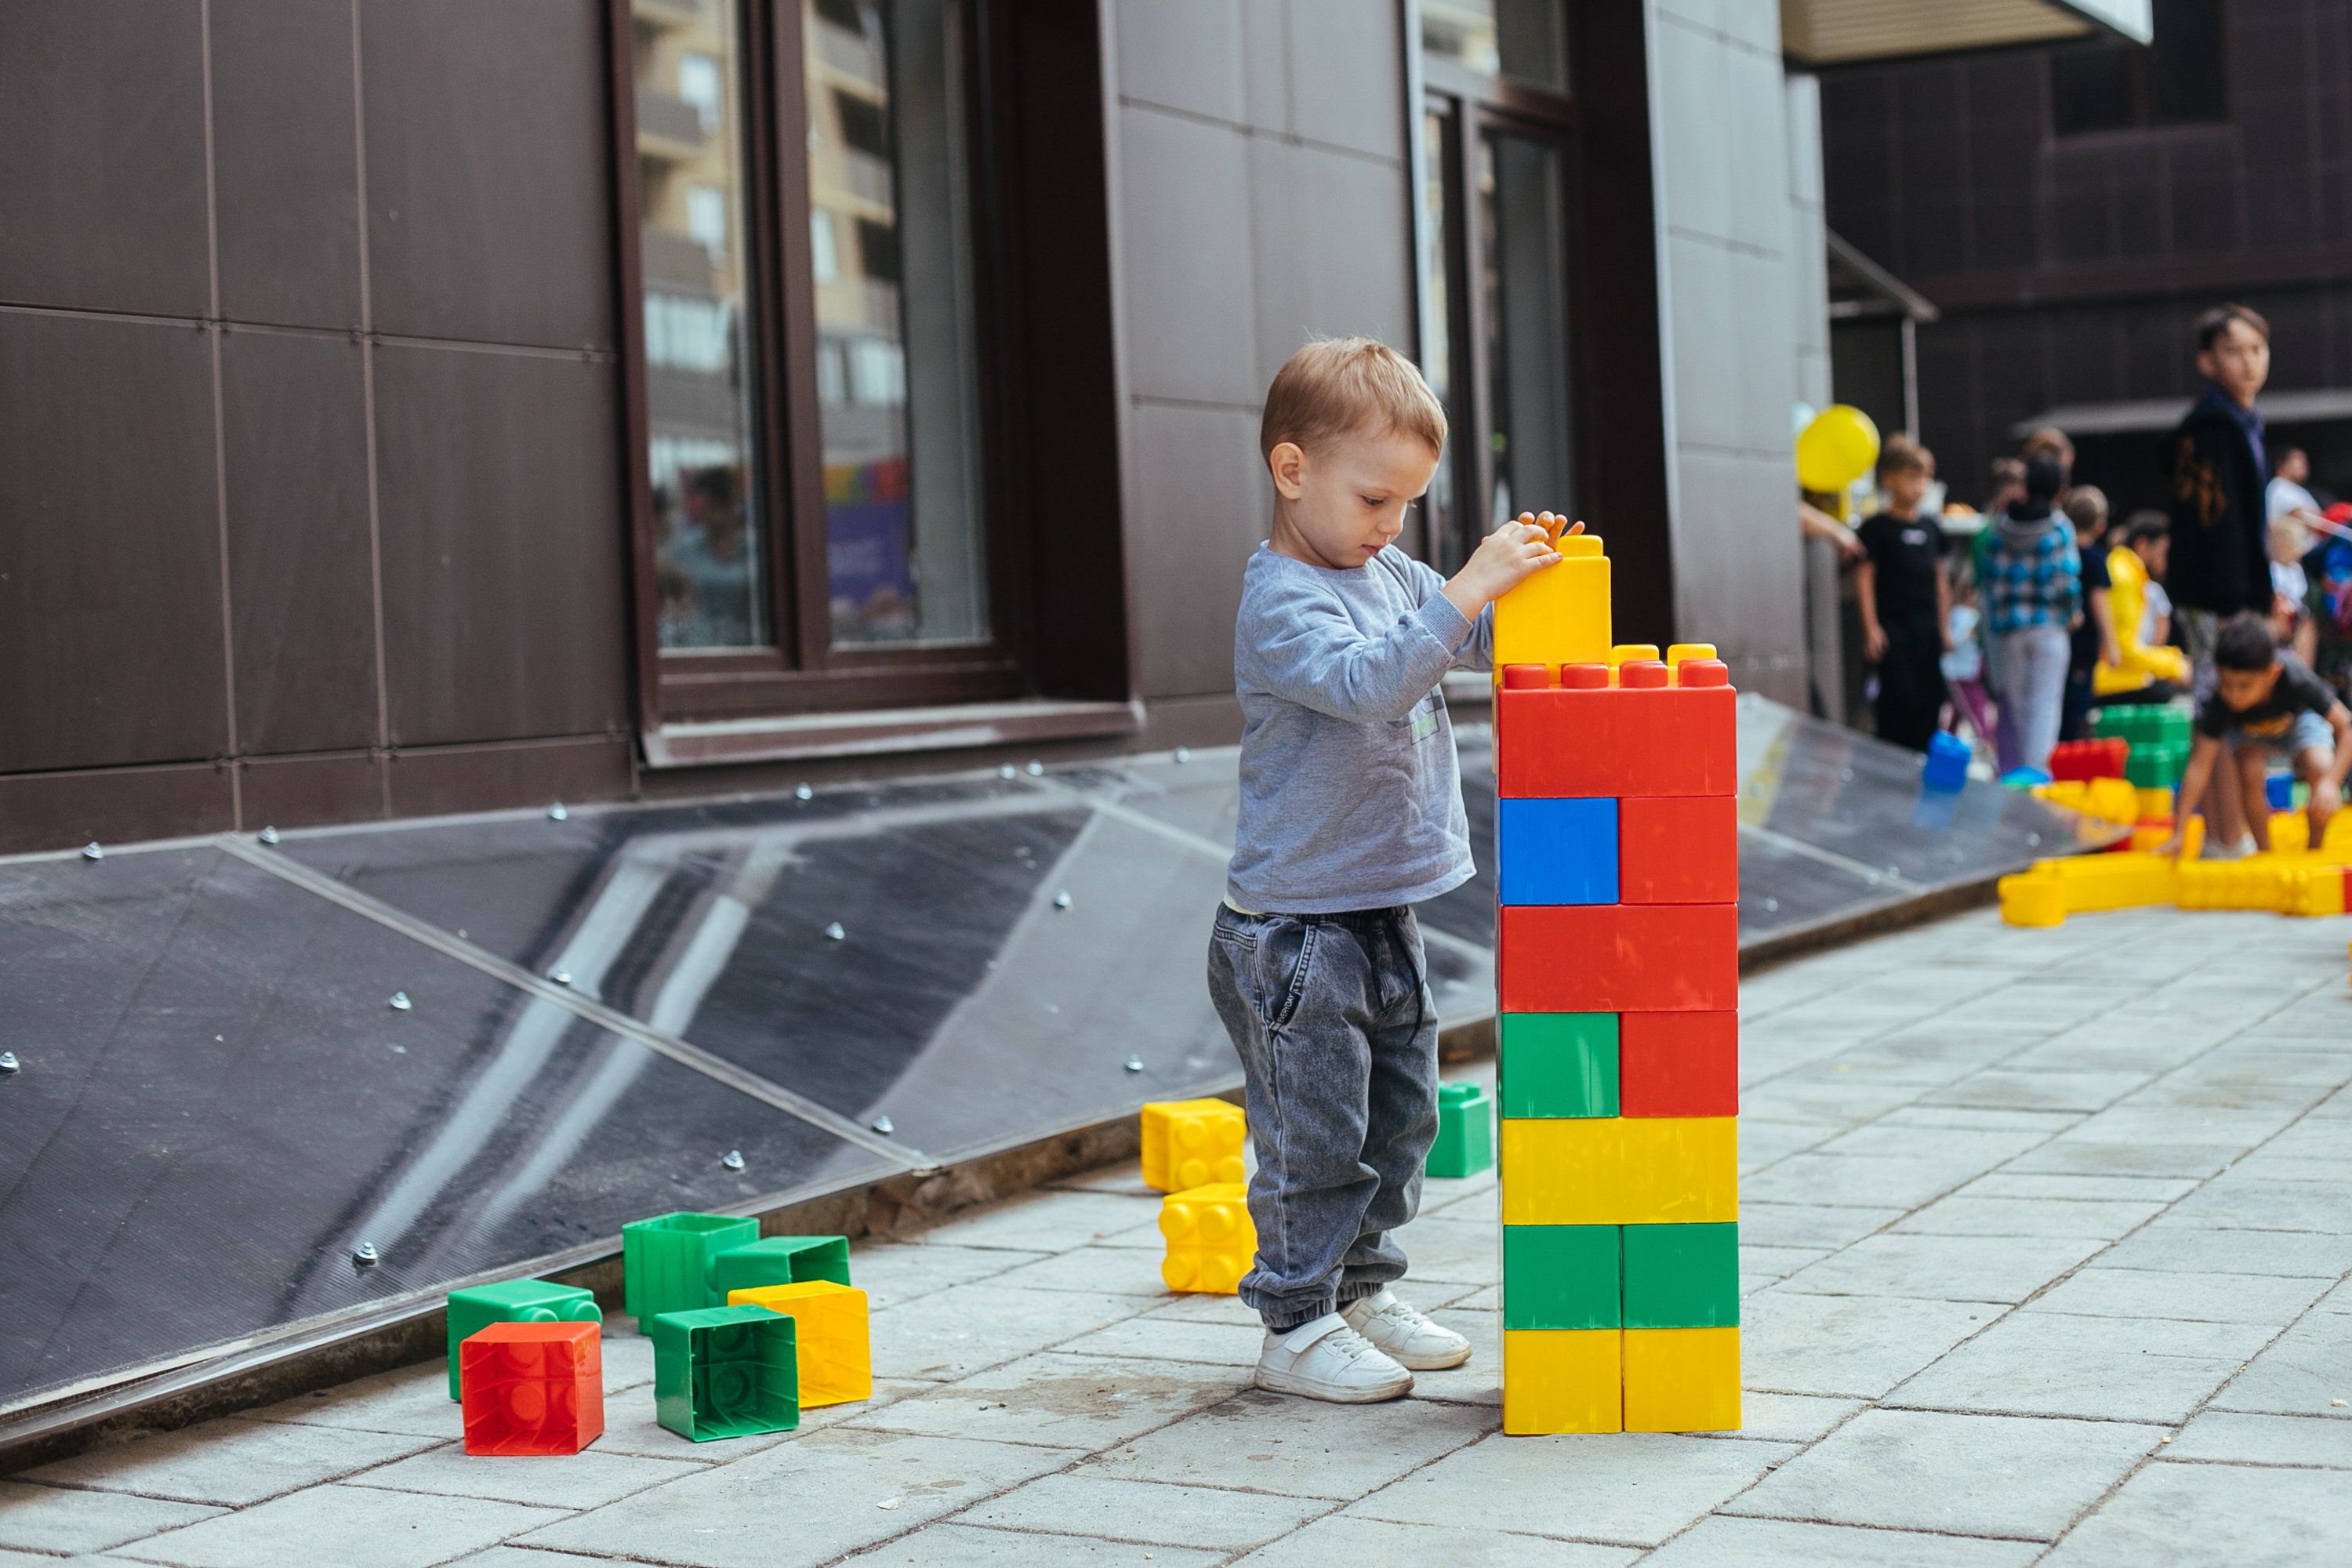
(780, 1261)
(516, 1301)
(1465, 1131)
(1560, 1276)
(1557, 1064)
(666, 1261)
(1681, 1276)
(2154, 765)
(725, 1372)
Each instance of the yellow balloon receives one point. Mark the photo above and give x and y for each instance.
(1837, 449)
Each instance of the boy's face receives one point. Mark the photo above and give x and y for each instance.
(1341, 505)
(1907, 488)
(2242, 688)
(2238, 363)
(2154, 553)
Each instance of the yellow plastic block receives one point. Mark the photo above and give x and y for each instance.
(1192, 1143)
(2077, 884)
(1211, 1240)
(1560, 616)
(1624, 652)
(1562, 1380)
(2156, 805)
(2115, 800)
(831, 1339)
(1636, 1170)
(2317, 890)
(1677, 652)
(1681, 1380)
(2290, 831)
(2147, 835)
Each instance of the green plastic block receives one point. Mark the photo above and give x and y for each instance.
(1681, 1276)
(516, 1301)
(2154, 764)
(1557, 1064)
(666, 1261)
(1465, 1131)
(725, 1372)
(1560, 1276)
(780, 1261)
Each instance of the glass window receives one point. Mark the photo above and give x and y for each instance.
(1524, 265)
(1527, 39)
(1448, 540)
(710, 580)
(904, 555)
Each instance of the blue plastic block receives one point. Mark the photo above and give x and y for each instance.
(2023, 778)
(2280, 788)
(1557, 851)
(1947, 762)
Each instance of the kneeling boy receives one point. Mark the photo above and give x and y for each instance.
(2267, 706)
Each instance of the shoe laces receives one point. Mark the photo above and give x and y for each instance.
(1348, 1344)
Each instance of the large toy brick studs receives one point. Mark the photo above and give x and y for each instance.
(685, 1262)
(1210, 1241)
(1563, 1380)
(1557, 1064)
(780, 1261)
(832, 1340)
(532, 1388)
(1465, 1131)
(1192, 1143)
(725, 1372)
(1557, 851)
(517, 1302)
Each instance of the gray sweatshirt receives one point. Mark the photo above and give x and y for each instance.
(1351, 795)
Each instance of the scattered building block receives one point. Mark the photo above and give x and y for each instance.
(665, 1260)
(1557, 1064)
(531, 1387)
(1678, 1064)
(1191, 1143)
(1562, 1380)
(1210, 1241)
(725, 1372)
(1947, 767)
(1560, 616)
(1619, 1171)
(1682, 1379)
(1681, 1276)
(1614, 740)
(1465, 1131)
(471, 1310)
(1619, 958)
(1676, 849)
(832, 1342)
(1561, 1276)
(2100, 759)
(1552, 851)
(779, 1260)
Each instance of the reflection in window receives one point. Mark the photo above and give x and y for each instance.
(709, 577)
(1523, 258)
(1523, 38)
(1446, 537)
(894, 352)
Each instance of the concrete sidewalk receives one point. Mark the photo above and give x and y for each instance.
(2045, 1235)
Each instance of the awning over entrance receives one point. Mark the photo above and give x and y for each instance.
(2163, 413)
(1844, 32)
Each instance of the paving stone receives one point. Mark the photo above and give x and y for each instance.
(1206, 1307)
(805, 1503)
(2101, 1292)
(1298, 1447)
(1818, 1094)
(516, 1557)
(229, 1462)
(1856, 1346)
(1973, 1148)
(1803, 1226)
(1125, 1179)
(2095, 1219)
(1477, 1381)
(1962, 1475)
(965, 1546)
(1832, 1180)
(1763, 1142)
(2075, 1153)
(350, 1527)
(1630, 1488)
(1117, 1271)
(2227, 1436)
(1174, 1339)
(589, 1478)
(2231, 1203)
(2166, 1247)
(2119, 1369)
(1771, 1263)
(630, 1426)
(1979, 1119)
(2234, 1132)
(2108, 1044)
(1046, 1222)
(955, 1332)
(2192, 1516)
(1483, 1207)
(628, 1356)
(2262, 1166)
(1790, 1417)
(2002, 1089)
(1064, 1401)
(1724, 1541)
(2302, 1372)
(1144, 1512)
(1380, 1544)
(907, 1271)
(50, 1520)
(2002, 1268)
(1450, 1250)
(1486, 1299)
(2011, 1183)
(414, 1400)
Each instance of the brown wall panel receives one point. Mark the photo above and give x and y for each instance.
(486, 778)
(102, 183)
(501, 528)
(64, 811)
(295, 424)
(286, 155)
(488, 161)
(301, 792)
(109, 545)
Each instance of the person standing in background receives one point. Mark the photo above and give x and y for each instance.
(1906, 604)
(2094, 639)
(2031, 589)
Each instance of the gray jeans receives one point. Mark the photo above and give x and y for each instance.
(2034, 677)
(1337, 1035)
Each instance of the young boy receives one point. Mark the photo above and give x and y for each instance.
(2267, 706)
(1905, 602)
(1350, 812)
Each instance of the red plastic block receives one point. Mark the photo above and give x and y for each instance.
(2089, 759)
(1678, 1064)
(1567, 741)
(1619, 958)
(1527, 676)
(532, 1388)
(1678, 850)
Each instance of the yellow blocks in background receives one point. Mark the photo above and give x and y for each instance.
(1192, 1143)
(1210, 1241)
(1563, 1380)
(1635, 1170)
(1682, 1379)
(1560, 616)
(2053, 889)
(831, 1339)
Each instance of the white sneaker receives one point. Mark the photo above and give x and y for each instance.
(2238, 851)
(1403, 1335)
(1328, 1360)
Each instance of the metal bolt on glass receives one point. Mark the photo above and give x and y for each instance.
(1183, 753)
(1062, 899)
(91, 851)
(561, 977)
(556, 813)
(1004, 771)
(399, 1002)
(733, 1159)
(882, 1125)
(1772, 906)
(8, 1062)
(1135, 1063)
(805, 793)
(268, 836)
(835, 932)
(2032, 839)
(1846, 774)
(363, 1254)
(1037, 770)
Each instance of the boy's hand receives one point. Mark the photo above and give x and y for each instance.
(2327, 797)
(1505, 558)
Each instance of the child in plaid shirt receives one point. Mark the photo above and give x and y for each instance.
(2033, 591)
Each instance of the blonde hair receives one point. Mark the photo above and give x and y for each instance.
(1340, 386)
(1901, 454)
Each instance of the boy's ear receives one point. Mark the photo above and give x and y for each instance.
(1288, 463)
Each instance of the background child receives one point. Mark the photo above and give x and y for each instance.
(1899, 588)
(2032, 585)
(2266, 706)
(1350, 812)
(1963, 667)
(2092, 639)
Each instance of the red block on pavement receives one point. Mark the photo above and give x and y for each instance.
(2101, 759)
(1678, 850)
(532, 1388)
(1619, 958)
(1562, 741)
(1678, 1064)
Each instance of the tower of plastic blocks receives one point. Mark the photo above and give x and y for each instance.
(1618, 969)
